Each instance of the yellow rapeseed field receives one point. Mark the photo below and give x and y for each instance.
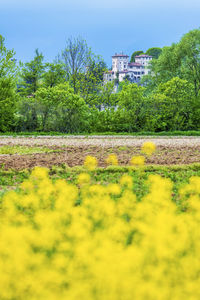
(89, 242)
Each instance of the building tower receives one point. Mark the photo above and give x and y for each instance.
(119, 63)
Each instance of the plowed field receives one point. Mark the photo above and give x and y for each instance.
(170, 151)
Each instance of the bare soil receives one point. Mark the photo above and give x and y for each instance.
(75, 155)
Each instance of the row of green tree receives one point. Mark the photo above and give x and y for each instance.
(69, 96)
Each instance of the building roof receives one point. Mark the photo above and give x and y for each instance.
(120, 55)
(143, 55)
(134, 64)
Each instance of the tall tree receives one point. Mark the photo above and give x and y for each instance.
(54, 74)
(61, 109)
(181, 104)
(76, 57)
(90, 82)
(180, 60)
(130, 105)
(31, 74)
(8, 67)
(108, 97)
(154, 52)
(139, 52)
(189, 52)
(8, 98)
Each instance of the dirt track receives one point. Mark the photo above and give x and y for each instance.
(170, 151)
(102, 141)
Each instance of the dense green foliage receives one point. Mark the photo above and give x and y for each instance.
(8, 96)
(68, 96)
(106, 133)
(154, 52)
(179, 60)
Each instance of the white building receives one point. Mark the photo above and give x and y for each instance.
(144, 60)
(121, 68)
(119, 63)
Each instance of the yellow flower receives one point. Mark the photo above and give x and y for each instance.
(114, 189)
(83, 178)
(148, 148)
(27, 185)
(39, 173)
(126, 181)
(112, 160)
(71, 240)
(137, 160)
(90, 163)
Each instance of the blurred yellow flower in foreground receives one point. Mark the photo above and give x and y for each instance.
(148, 148)
(83, 178)
(126, 181)
(90, 163)
(112, 160)
(100, 241)
(114, 189)
(137, 160)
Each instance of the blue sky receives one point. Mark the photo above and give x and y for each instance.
(108, 26)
